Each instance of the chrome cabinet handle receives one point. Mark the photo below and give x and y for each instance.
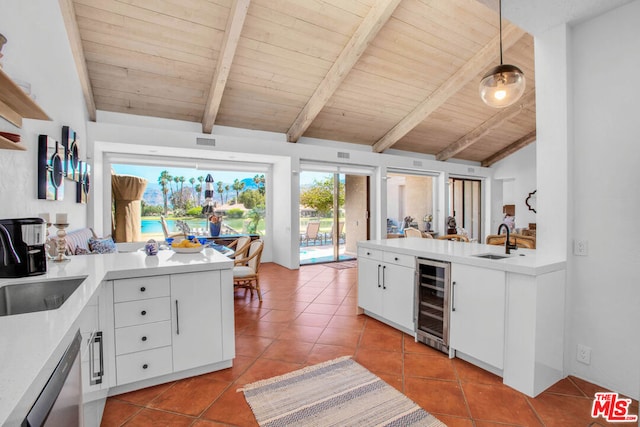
(384, 286)
(96, 377)
(453, 293)
(177, 319)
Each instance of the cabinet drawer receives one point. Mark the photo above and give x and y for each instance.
(140, 287)
(370, 253)
(143, 337)
(144, 364)
(141, 312)
(400, 259)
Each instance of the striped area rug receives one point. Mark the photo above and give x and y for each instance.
(339, 392)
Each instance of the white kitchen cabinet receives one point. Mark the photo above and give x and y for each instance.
(477, 316)
(165, 325)
(196, 311)
(95, 378)
(386, 287)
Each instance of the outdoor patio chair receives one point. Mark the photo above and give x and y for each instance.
(329, 236)
(245, 270)
(312, 233)
(165, 229)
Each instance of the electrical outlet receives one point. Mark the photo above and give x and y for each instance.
(580, 247)
(583, 354)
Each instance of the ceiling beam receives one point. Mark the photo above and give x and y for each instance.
(75, 42)
(510, 149)
(378, 15)
(495, 121)
(230, 42)
(469, 71)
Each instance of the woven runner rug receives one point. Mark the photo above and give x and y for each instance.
(341, 265)
(339, 392)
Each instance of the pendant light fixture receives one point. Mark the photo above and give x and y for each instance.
(502, 85)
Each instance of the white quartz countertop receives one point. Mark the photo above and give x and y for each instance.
(523, 261)
(32, 343)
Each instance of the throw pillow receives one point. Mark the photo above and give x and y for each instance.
(102, 246)
(82, 251)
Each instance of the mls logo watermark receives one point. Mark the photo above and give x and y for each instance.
(612, 408)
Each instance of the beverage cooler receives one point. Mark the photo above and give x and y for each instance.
(433, 287)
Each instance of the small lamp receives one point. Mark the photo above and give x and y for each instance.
(502, 85)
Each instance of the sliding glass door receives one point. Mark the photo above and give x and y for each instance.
(465, 206)
(333, 215)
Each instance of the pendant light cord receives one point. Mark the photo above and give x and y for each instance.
(500, 15)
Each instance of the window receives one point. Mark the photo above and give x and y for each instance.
(409, 202)
(178, 193)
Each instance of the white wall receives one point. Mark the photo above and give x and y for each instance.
(604, 290)
(517, 174)
(38, 52)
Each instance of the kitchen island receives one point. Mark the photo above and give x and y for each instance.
(504, 313)
(33, 343)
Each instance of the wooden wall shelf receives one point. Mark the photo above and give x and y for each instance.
(10, 145)
(15, 104)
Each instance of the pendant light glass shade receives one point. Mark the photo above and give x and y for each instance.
(502, 86)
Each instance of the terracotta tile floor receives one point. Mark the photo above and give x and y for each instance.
(308, 316)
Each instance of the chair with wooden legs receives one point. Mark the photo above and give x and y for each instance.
(519, 240)
(245, 270)
(240, 246)
(412, 232)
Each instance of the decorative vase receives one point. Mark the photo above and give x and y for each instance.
(214, 228)
(151, 248)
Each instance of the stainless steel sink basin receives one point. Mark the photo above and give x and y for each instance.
(36, 296)
(492, 256)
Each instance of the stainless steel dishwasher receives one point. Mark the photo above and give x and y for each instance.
(433, 287)
(60, 401)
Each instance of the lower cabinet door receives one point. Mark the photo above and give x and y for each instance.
(197, 320)
(370, 285)
(143, 364)
(478, 313)
(398, 295)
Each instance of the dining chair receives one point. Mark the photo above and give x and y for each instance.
(458, 237)
(165, 229)
(245, 270)
(412, 232)
(312, 233)
(240, 246)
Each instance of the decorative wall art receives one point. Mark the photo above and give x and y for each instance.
(50, 168)
(84, 183)
(71, 153)
(531, 200)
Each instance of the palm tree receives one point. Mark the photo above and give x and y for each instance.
(199, 192)
(238, 186)
(259, 180)
(200, 180)
(221, 191)
(226, 189)
(192, 181)
(164, 180)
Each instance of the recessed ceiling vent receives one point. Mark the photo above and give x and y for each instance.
(417, 163)
(343, 155)
(206, 141)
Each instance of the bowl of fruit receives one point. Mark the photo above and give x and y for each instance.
(187, 246)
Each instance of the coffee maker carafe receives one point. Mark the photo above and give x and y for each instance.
(22, 247)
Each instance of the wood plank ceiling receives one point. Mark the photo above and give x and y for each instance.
(399, 74)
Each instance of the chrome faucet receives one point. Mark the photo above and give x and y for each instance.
(507, 245)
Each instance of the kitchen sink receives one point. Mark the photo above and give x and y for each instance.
(492, 256)
(36, 296)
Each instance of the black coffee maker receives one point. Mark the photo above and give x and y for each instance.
(22, 247)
